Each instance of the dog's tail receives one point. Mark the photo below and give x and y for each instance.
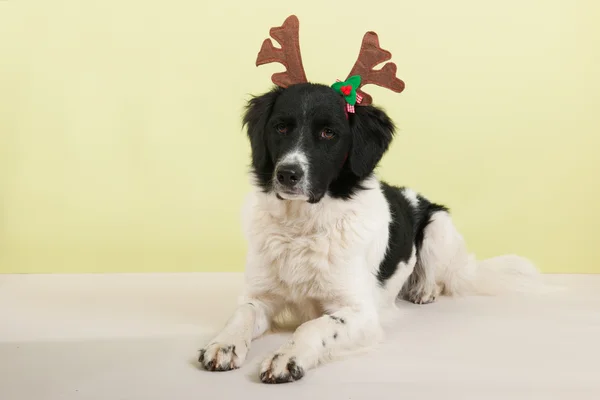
(509, 273)
(498, 275)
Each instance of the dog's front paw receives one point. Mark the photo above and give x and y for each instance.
(281, 368)
(223, 356)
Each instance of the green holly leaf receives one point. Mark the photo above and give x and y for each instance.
(354, 83)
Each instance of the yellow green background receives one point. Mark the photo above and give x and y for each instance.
(121, 148)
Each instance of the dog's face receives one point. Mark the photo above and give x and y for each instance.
(304, 146)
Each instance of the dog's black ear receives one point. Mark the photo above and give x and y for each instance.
(256, 116)
(372, 132)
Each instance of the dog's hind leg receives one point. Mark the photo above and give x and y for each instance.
(441, 248)
(421, 287)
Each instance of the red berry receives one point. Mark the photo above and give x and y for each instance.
(346, 90)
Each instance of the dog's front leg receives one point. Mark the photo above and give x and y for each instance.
(319, 339)
(229, 348)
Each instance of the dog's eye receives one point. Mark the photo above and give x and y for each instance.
(327, 134)
(281, 128)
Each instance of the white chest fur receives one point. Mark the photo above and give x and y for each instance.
(324, 252)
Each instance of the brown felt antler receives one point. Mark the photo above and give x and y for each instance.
(288, 55)
(371, 55)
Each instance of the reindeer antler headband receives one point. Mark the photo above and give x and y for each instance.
(363, 72)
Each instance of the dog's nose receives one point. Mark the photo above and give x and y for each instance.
(289, 175)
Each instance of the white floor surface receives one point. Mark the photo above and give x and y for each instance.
(122, 337)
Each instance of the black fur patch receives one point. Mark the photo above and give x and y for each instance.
(422, 215)
(296, 371)
(406, 228)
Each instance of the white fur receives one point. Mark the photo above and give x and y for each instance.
(320, 261)
(411, 196)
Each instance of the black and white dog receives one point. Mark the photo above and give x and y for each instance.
(334, 245)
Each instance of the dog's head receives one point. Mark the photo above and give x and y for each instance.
(310, 140)
(305, 146)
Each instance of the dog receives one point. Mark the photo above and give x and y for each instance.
(334, 245)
